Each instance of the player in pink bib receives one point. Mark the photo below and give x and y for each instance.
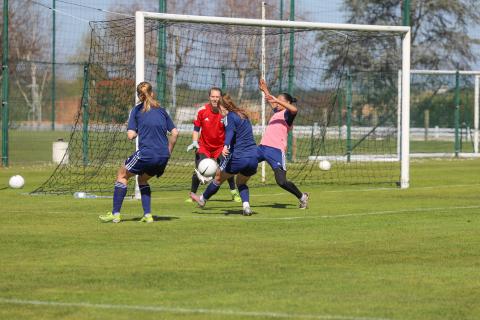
(274, 141)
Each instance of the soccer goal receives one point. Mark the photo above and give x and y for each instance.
(344, 77)
(444, 113)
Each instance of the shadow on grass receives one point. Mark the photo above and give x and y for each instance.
(155, 218)
(234, 211)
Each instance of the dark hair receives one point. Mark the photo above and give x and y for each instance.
(215, 89)
(228, 104)
(288, 97)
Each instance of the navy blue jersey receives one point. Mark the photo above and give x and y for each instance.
(152, 128)
(239, 136)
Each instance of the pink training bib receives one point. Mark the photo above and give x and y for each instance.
(276, 132)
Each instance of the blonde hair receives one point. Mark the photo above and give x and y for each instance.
(145, 95)
(227, 103)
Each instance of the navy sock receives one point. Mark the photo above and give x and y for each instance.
(231, 183)
(244, 193)
(146, 198)
(119, 194)
(211, 190)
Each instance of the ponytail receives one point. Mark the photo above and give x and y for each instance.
(145, 95)
(228, 103)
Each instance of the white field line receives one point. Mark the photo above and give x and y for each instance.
(348, 215)
(161, 309)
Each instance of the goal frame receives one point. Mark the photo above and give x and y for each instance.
(404, 31)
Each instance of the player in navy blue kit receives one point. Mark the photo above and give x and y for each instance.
(150, 123)
(240, 152)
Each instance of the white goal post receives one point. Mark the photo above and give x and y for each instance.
(140, 17)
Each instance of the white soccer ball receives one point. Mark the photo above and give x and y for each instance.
(324, 165)
(16, 182)
(207, 167)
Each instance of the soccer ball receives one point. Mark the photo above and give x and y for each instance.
(324, 165)
(16, 182)
(207, 167)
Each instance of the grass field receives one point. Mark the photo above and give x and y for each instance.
(356, 253)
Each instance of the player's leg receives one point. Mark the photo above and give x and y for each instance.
(212, 188)
(146, 197)
(119, 193)
(276, 159)
(231, 183)
(156, 168)
(199, 156)
(249, 168)
(244, 193)
(281, 179)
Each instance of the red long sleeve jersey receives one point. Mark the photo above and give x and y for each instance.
(212, 133)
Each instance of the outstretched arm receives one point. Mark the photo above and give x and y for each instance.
(290, 107)
(262, 85)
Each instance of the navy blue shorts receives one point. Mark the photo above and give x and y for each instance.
(244, 166)
(138, 165)
(274, 157)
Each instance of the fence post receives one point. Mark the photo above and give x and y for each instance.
(54, 93)
(5, 115)
(349, 116)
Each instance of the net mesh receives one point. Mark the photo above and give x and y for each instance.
(433, 109)
(346, 115)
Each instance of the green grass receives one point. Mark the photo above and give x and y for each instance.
(358, 252)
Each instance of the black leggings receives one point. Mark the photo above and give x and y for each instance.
(281, 179)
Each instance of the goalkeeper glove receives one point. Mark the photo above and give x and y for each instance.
(194, 145)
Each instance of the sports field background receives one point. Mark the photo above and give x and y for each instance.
(356, 253)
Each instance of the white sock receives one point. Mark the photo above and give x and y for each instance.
(304, 197)
(202, 198)
(116, 213)
(246, 205)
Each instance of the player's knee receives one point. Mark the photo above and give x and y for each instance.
(281, 177)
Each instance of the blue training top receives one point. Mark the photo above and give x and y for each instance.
(239, 136)
(152, 128)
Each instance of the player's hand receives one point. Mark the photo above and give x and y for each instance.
(194, 145)
(263, 86)
(271, 99)
(225, 151)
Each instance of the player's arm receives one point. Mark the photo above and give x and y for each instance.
(172, 139)
(229, 133)
(262, 85)
(290, 107)
(132, 126)
(197, 125)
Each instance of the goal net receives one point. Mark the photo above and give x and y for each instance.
(345, 78)
(444, 109)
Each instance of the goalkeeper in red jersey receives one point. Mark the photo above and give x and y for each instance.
(208, 138)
